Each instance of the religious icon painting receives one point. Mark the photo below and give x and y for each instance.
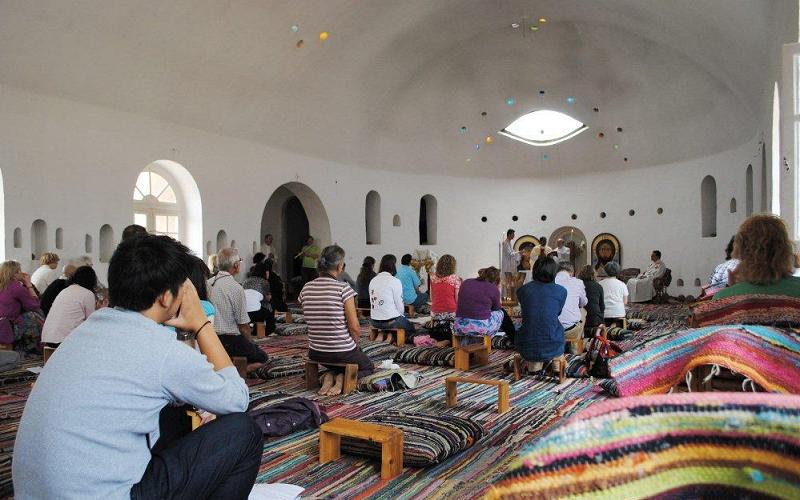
(606, 248)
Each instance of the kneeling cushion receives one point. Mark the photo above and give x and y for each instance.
(778, 310)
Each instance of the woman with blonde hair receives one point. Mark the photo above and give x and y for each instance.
(46, 273)
(766, 259)
(20, 322)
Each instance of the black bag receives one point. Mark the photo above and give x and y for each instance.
(441, 329)
(597, 355)
(288, 416)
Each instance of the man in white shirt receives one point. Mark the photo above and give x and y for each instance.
(268, 250)
(510, 259)
(570, 317)
(562, 251)
(641, 288)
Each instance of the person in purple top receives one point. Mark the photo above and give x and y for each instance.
(541, 337)
(478, 311)
(18, 300)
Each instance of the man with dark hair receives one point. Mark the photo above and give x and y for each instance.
(508, 265)
(411, 282)
(641, 288)
(92, 419)
(133, 231)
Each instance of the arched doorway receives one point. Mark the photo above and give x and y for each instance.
(292, 212)
(576, 241)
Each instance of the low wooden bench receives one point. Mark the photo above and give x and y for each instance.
(502, 390)
(47, 352)
(399, 334)
(463, 353)
(240, 362)
(390, 439)
(196, 420)
(261, 329)
(562, 367)
(350, 375)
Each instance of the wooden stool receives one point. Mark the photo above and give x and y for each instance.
(480, 351)
(47, 352)
(240, 362)
(623, 321)
(196, 420)
(502, 390)
(6, 347)
(350, 375)
(562, 368)
(399, 334)
(390, 438)
(410, 311)
(261, 329)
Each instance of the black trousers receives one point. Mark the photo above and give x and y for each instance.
(237, 345)
(356, 356)
(264, 316)
(508, 327)
(218, 460)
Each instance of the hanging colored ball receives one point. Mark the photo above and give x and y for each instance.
(300, 44)
(477, 147)
(469, 160)
(616, 147)
(295, 28)
(542, 20)
(489, 139)
(601, 135)
(511, 101)
(463, 130)
(545, 156)
(534, 28)
(571, 100)
(323, 36)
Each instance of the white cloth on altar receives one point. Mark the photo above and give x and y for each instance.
(641, 289)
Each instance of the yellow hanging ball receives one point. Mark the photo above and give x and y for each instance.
(489, 139)
(323, 36)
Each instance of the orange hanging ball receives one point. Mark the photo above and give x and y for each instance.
(489, 139)
(323, 36)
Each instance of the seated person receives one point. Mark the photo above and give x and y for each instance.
(541, 337)
(104, 409)
(411, 282)
(362, 282)
(445, 285)
(49, 295)
(345, 277)
(19, 324)
(479, 312)
(641, 288)
(71, 308)
(329, 308)
(615, 295)
(766, 261)
(46, 273)
(719, 278)
(386, 299)
(595, 305)
(257, 279)
(231, 321)
(570, 316)
(275, 287)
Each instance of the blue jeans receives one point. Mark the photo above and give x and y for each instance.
(421, 300)
(398, 322)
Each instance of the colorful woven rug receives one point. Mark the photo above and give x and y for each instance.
(768, 356)
(672, 446)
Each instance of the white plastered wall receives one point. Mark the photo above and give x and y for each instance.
(74, 165)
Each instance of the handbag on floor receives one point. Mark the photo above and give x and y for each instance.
(598, 353)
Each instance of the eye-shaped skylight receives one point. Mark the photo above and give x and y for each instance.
(543, 128)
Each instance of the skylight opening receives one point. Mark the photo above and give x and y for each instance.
(544, 127)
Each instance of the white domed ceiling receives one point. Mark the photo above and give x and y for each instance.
(396, 80)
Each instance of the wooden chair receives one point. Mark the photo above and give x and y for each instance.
(350, 375)
(503, 399)
(660, 285)
(399, 334)
(47, 352)
(480, 352)
(561, 361)
(240, 362)
(390, 439)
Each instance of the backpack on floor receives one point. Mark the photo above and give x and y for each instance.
(598, 353)
(288, 416)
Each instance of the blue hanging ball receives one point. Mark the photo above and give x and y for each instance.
(571, 100)
(546, 156)
(295, 28)
(511, 101)
(463, 130)
(477, 147)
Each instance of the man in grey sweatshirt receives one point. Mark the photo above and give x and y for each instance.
(93, 416)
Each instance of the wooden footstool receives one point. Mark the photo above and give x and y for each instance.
(399, 334)
(350, 375)
(502, 390)
(390, 438)
(47, 352)
(479, 351)
(261, 329)
(562, 368)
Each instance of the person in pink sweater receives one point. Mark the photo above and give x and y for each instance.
(19, 322)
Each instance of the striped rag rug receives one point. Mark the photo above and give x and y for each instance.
(767, 355)
(668, 446)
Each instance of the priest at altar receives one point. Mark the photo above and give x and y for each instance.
(641, 288)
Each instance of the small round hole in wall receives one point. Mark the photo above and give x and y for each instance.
(679, 282)
(514, 218)
(659, 210)
(544, 217)
(697, 282)
(602, 215)
(574, 216)
(631, 212)
(484, 219)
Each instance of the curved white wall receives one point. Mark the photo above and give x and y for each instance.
(70, 164)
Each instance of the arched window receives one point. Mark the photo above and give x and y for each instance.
(59, 238)
(88, 244)
(748, 186)
(222, 240)
(38, 238)
(776, 152)
(427, 220)
(733, 205)
(17, 237)
(708, 206)
(396, 220)
(155, 204)
(106, 242)
(372, 216)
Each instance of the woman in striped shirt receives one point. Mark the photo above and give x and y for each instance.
(329, 309)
